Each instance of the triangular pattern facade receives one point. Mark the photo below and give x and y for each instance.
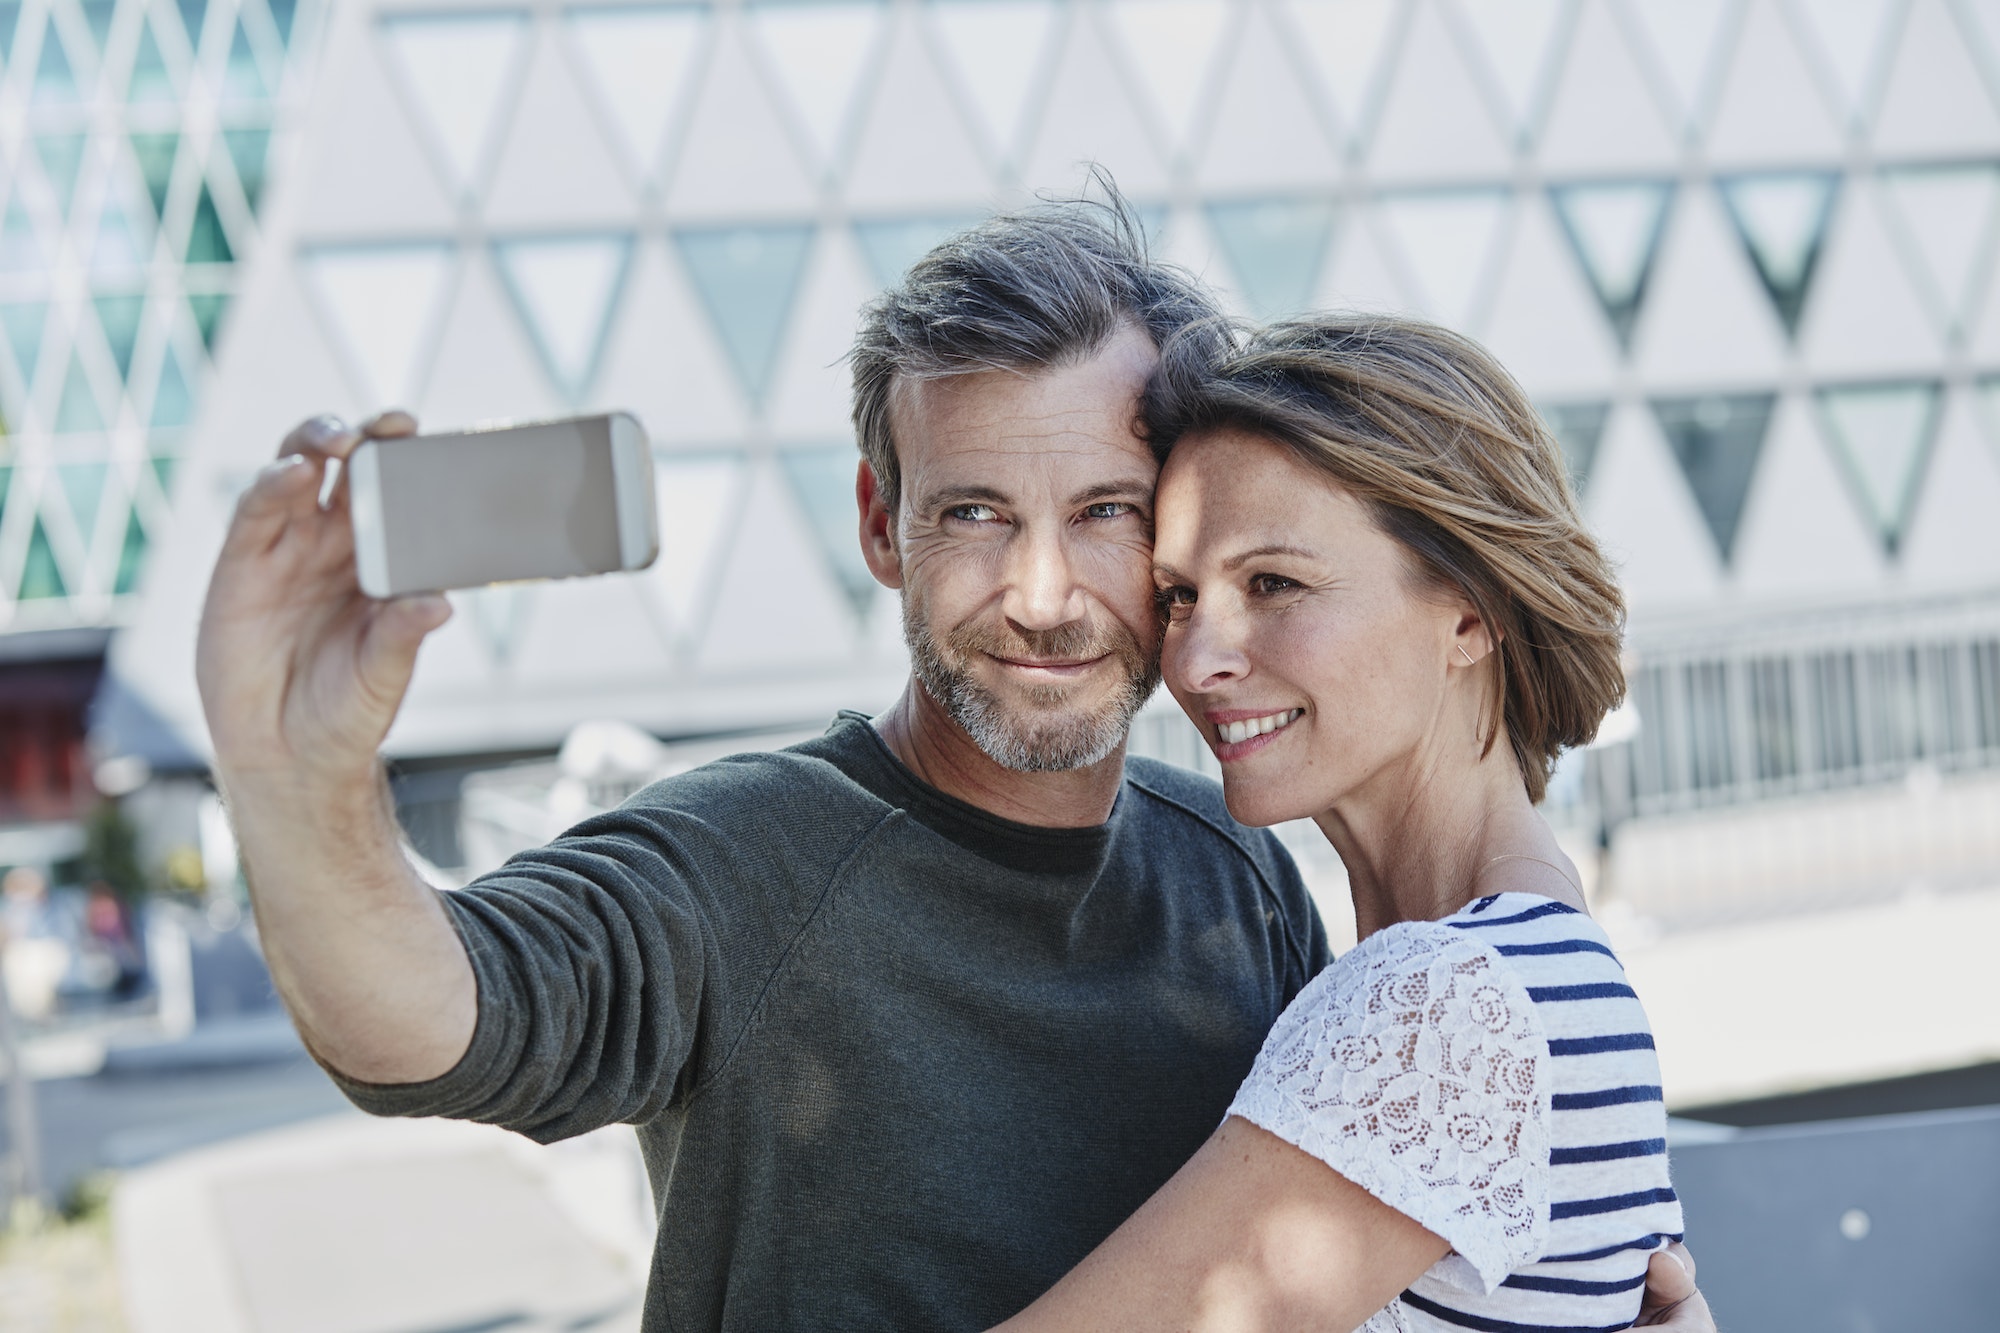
(1731, 246)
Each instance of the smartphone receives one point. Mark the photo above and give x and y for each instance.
(544, 500)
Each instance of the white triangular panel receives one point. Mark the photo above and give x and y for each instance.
(1706, 320)
(911, 119)
(1865, 317)
(640, 63)
(1640, 508)
(1545, 325)
(810, 396)
(1261, 88)
(1800, 533)
(1170, 46)
(1089, 117)
(1601, 118)
(1770, 110)
(1685, 38)
(565, 287)
(701, 500)
(1850, 38)
(819, 50)
(1882, 435)
(1950, 541)
(585, 630)
(1934, 101)
(738, 157)
(776, 605)
(1520, 40)
(555, 167)
(486, 367)
(661, 361)
(1433, 124)
(381, 304)
(460, 71)
(1186, 240)
(1947, 216)
(998, 50)
(1448, 242)
(1345, 42)
(499, 616)
(1984, 332)
(364, 171)
(1361, 275)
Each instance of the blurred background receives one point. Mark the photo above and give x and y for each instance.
(1740, 251)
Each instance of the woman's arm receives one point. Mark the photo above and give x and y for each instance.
(1251, 1235)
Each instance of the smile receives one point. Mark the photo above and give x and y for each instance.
(1235, 733)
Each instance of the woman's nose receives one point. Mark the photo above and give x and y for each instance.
(1206, 650)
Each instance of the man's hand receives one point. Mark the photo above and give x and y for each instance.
(1672, 1302)
(301, 675)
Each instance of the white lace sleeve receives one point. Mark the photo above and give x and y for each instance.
(1416, 1067)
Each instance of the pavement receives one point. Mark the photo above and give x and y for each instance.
(352, 1225)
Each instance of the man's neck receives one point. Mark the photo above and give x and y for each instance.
(935, 748)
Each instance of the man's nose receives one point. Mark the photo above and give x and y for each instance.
(1042, 590)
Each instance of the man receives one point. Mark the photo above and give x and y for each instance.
(909, 1017)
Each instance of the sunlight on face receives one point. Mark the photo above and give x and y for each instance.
(1025, 539)
(1298, 638)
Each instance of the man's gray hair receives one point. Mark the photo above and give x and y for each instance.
(1043, 287)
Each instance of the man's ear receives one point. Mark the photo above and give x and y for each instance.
(878, 529)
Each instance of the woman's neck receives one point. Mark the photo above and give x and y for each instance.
(1421, 843)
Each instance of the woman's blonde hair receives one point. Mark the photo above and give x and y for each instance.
(1439, 442)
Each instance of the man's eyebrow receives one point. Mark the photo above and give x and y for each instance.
(947, 496)
(1106, 490)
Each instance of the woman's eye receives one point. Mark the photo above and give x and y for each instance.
(1268, 584)
(1108, 509)
(972, 513)
(1174, 603)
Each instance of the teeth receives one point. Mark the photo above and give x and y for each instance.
(1233, 733)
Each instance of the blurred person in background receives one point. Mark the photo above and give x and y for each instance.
(35, 953)
(909, 1017)
(1385, 614)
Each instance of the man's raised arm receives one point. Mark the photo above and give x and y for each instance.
(301, 675)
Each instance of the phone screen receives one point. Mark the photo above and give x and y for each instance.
(489, 506)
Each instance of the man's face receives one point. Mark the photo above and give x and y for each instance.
(1025, 542)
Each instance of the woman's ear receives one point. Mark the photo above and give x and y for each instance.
(878, 528)
(1472, 640)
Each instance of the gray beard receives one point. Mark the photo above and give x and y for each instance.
(1058, 739)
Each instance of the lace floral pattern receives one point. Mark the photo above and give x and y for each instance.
(1417, 1068)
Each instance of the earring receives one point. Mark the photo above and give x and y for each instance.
(1467, 656)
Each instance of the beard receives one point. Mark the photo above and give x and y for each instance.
(1048, 730)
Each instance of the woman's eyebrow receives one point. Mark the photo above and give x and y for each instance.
(1168, 572)
(1279, 549)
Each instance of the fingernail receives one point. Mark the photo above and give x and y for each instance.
(287, 462)
(328, 426)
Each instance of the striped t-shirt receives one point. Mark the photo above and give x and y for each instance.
(1492, 1076)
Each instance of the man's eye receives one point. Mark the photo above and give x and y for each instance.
(972, 513)
(1108, 509)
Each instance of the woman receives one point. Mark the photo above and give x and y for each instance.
(1384, 613)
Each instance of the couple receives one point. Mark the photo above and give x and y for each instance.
(956, 1015)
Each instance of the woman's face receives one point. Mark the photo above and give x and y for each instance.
(1299, 639)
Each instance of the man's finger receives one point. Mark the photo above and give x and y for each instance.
(389, 425)
(390, 641)
(322, 436)
(283, 491)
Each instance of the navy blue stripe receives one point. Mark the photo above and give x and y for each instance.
(1607, 1152)
(1616, 1203)
(1556, 946)
(1481, 904)
(1485, 1325)
(1569, 1286)
(1593, 990)
(1590, 1101)
(1657, 1240)
(1549, 908)
(1617, 1041)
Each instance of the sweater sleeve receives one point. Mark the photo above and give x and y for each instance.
(1416, 1067)
(618, 965)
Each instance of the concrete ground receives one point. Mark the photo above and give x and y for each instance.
(354, 1225)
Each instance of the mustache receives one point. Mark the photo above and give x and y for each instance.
(1078, 640)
